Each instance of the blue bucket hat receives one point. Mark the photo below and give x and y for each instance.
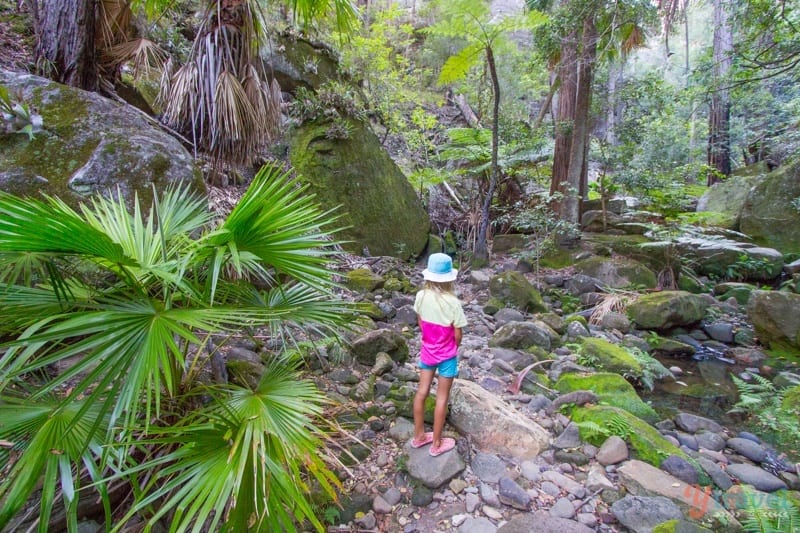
(440, 269)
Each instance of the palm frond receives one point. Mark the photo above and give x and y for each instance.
(244, 461)
(50, 437)
(144, 55)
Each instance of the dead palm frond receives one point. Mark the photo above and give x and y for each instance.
(616, 301)
(144, 55)
(236, 135)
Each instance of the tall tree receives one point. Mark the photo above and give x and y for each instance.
(581, 33)
(481, 33)
(65, 45)
(719, 137)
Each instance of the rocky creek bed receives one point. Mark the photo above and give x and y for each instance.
(572, 447)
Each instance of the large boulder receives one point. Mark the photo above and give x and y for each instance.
(367, 347)
(380, 210)
(728, 198)
(494, 425)
(776, 318)
(514, 290)
(724, 258)
(667, 309)
(769, 215)
(617, 272)
(88, 144)
(523, 335)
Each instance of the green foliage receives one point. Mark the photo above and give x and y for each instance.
(745, 268)
(16, 116)
(125, 303)
(763, 404)
(652, 369)
(779, 514)
(594, 432)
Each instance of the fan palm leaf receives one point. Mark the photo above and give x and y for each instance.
(126, 301)
(243, 460)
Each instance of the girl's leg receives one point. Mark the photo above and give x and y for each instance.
(440, 412)
(425, 380)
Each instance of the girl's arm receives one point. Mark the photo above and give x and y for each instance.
(457, 335)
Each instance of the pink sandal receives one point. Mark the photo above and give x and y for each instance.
(446, 445)
(427, 438)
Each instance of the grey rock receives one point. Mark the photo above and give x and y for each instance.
(523, 335)
(433, 472)
(680, 468)
(746, 447)
(717, 474)
(542, 522)
(616, 321)
(597, 480)
(368, 521)
(471, 501)
(550, 488)
(510, 493)
(517, 359)
(749, 436)
(710, 441)
(757, 477)
(488, 467)
(576, 330)
(530, 471)
(381, 506)
(383, 364)
(507, 314)
(405, 316)
(392, 496)
(569, 438)
(402, 429)
(614, 450)
(641, 514)
(366, 347)
(686, 440)
(693, 423)
(581, 284)
(720, 331)
(566, 483)
(477, 525)
(563, 508)
(488, 495)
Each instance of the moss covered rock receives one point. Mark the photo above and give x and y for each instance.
(363, 279)
(645, 441)
(89, 145)
(776, 318)
(379, 208)
(515, 291)
(610, 357)
(768, 215)
(667, 309)
(612, 389)
(680, 526)
(617, 272)
(728, 197)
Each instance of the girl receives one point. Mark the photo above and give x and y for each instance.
(440, 319)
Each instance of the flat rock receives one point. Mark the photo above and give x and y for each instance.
(433, 472)
(542, 522)
(477, 525)
(757, 477)
(641, 514)
(510, 493)
(494, 425)
(747, 448)
(693, 423)
(488, 467)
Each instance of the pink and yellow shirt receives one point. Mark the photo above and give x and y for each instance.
(439, 313)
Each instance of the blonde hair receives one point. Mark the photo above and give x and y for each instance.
(440, 286)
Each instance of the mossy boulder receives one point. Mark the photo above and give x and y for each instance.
(610, 357)
(515, 291)
(523, 335)
(667, 309)
(363, 279)
(680, 526)
(380, 211)
(645, 441)
(509, 242)
(776, 318)
(89, 145)
(768, 215)
(728, 198)
(739, 291)
(725, 258)
(791, 400)
(617, 272)
(612, 389)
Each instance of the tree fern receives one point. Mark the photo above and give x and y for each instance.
(775, 515)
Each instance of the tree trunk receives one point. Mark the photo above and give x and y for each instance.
(565, 114)
(719, 141)
(66, 42)
(577, 172)
(481, 250)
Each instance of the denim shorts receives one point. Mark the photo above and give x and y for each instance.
(447, 368)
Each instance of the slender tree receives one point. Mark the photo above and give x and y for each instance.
(481, 33)
(719, 137)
